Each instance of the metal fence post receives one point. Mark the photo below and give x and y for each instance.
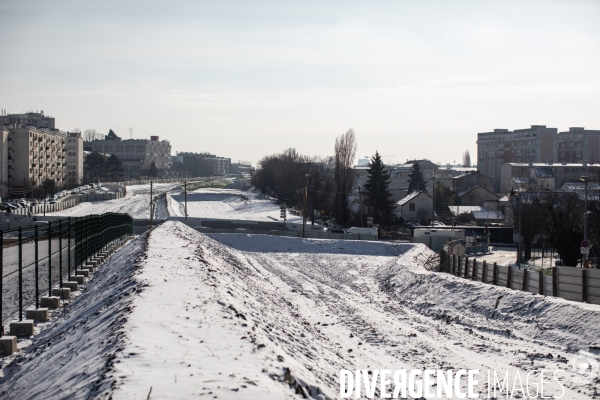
(20, 274)
(69, 251)
(37, 268)
(554, 281)
(50, 258)
(60, 250)
(509, 278)
(495, 274)
(524, 280)
(1, 280)
(541, 282)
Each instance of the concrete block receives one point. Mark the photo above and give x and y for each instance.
(93, 263)
(8, 345)
(83, 272)
(80, 279)
(39, 314)
(89, 268)
(50, 302)
(73, 286)
(63, 293)
(22, 328)
(100, 260)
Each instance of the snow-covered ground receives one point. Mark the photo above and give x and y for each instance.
(227, 204)
(178, 314)
(230, 204)
(136, 203)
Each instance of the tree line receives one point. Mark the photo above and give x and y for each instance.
(328, 183)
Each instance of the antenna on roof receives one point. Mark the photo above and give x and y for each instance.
(130, 132)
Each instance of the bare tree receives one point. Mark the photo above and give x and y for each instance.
(466, 159)
(563, 221)
(344, 154)
(92, 134)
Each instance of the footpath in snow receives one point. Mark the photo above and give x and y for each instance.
(178, 314)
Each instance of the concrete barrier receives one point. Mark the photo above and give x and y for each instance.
(50, 302)
(21, 328)
(8, 345)
(39, 314)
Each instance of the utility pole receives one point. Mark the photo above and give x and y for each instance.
(304, 208)
(361, 210)
(44, 199)
(151, 206)
(585, 179)
(433, 200)
(185, 197)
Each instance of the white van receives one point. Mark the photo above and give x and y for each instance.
(362, 231)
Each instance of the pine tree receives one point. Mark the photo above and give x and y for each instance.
(416, 179)
(153, 171)
(378, 182)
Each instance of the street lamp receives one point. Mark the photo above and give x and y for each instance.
(585, 179)
(512, 193)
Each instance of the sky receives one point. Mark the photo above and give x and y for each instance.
(245, 79)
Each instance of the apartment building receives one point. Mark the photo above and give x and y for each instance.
(136, 154)
(3, 161)
(36, 119)
(534, 144)
(36, 155)
(74, 159)
(577, 145)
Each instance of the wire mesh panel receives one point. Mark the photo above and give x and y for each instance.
(38, 258)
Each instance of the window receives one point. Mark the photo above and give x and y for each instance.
(411, 206)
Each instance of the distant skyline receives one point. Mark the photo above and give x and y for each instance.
(247, 79)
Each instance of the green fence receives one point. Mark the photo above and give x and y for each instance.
(36, 259)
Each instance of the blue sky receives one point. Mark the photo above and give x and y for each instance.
(414, 79)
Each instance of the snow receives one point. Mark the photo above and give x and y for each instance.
(242, 316)
(229, 204)
(135, 203)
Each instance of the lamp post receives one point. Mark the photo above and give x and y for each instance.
(433, 200)
(585, 179)
(512, 193)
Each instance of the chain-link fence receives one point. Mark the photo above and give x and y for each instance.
(36, 259)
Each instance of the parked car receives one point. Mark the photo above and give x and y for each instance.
(361, 231)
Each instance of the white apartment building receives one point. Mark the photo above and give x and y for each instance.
(35, 156)
(74, 159)
(3, 161)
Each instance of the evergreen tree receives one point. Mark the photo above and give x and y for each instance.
(416, 179)
(153, 171)
(114, 168)
(378, 182)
